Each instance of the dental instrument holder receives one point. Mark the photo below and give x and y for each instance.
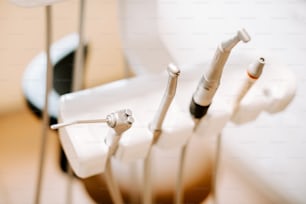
(87, 151)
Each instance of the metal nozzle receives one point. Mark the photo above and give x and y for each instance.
(60, 125)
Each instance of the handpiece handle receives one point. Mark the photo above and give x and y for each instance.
(210, 80)
(156, 125)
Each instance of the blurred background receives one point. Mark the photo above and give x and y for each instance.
(22, 32)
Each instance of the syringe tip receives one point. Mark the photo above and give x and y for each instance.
(255, 69)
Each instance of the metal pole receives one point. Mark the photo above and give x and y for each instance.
(46, 119)
(78, 70)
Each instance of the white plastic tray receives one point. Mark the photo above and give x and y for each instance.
(84, 144)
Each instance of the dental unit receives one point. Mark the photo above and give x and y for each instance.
(183, 120)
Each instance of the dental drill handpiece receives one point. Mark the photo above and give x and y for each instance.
(210, 80)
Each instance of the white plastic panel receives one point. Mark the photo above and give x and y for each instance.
(143, 94)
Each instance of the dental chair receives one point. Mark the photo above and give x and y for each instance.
(147, 53)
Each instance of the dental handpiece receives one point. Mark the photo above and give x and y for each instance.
(110, 119)
(252, 74)
(119, 122)
(156, 124)
(210, 80)
(156, 128)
